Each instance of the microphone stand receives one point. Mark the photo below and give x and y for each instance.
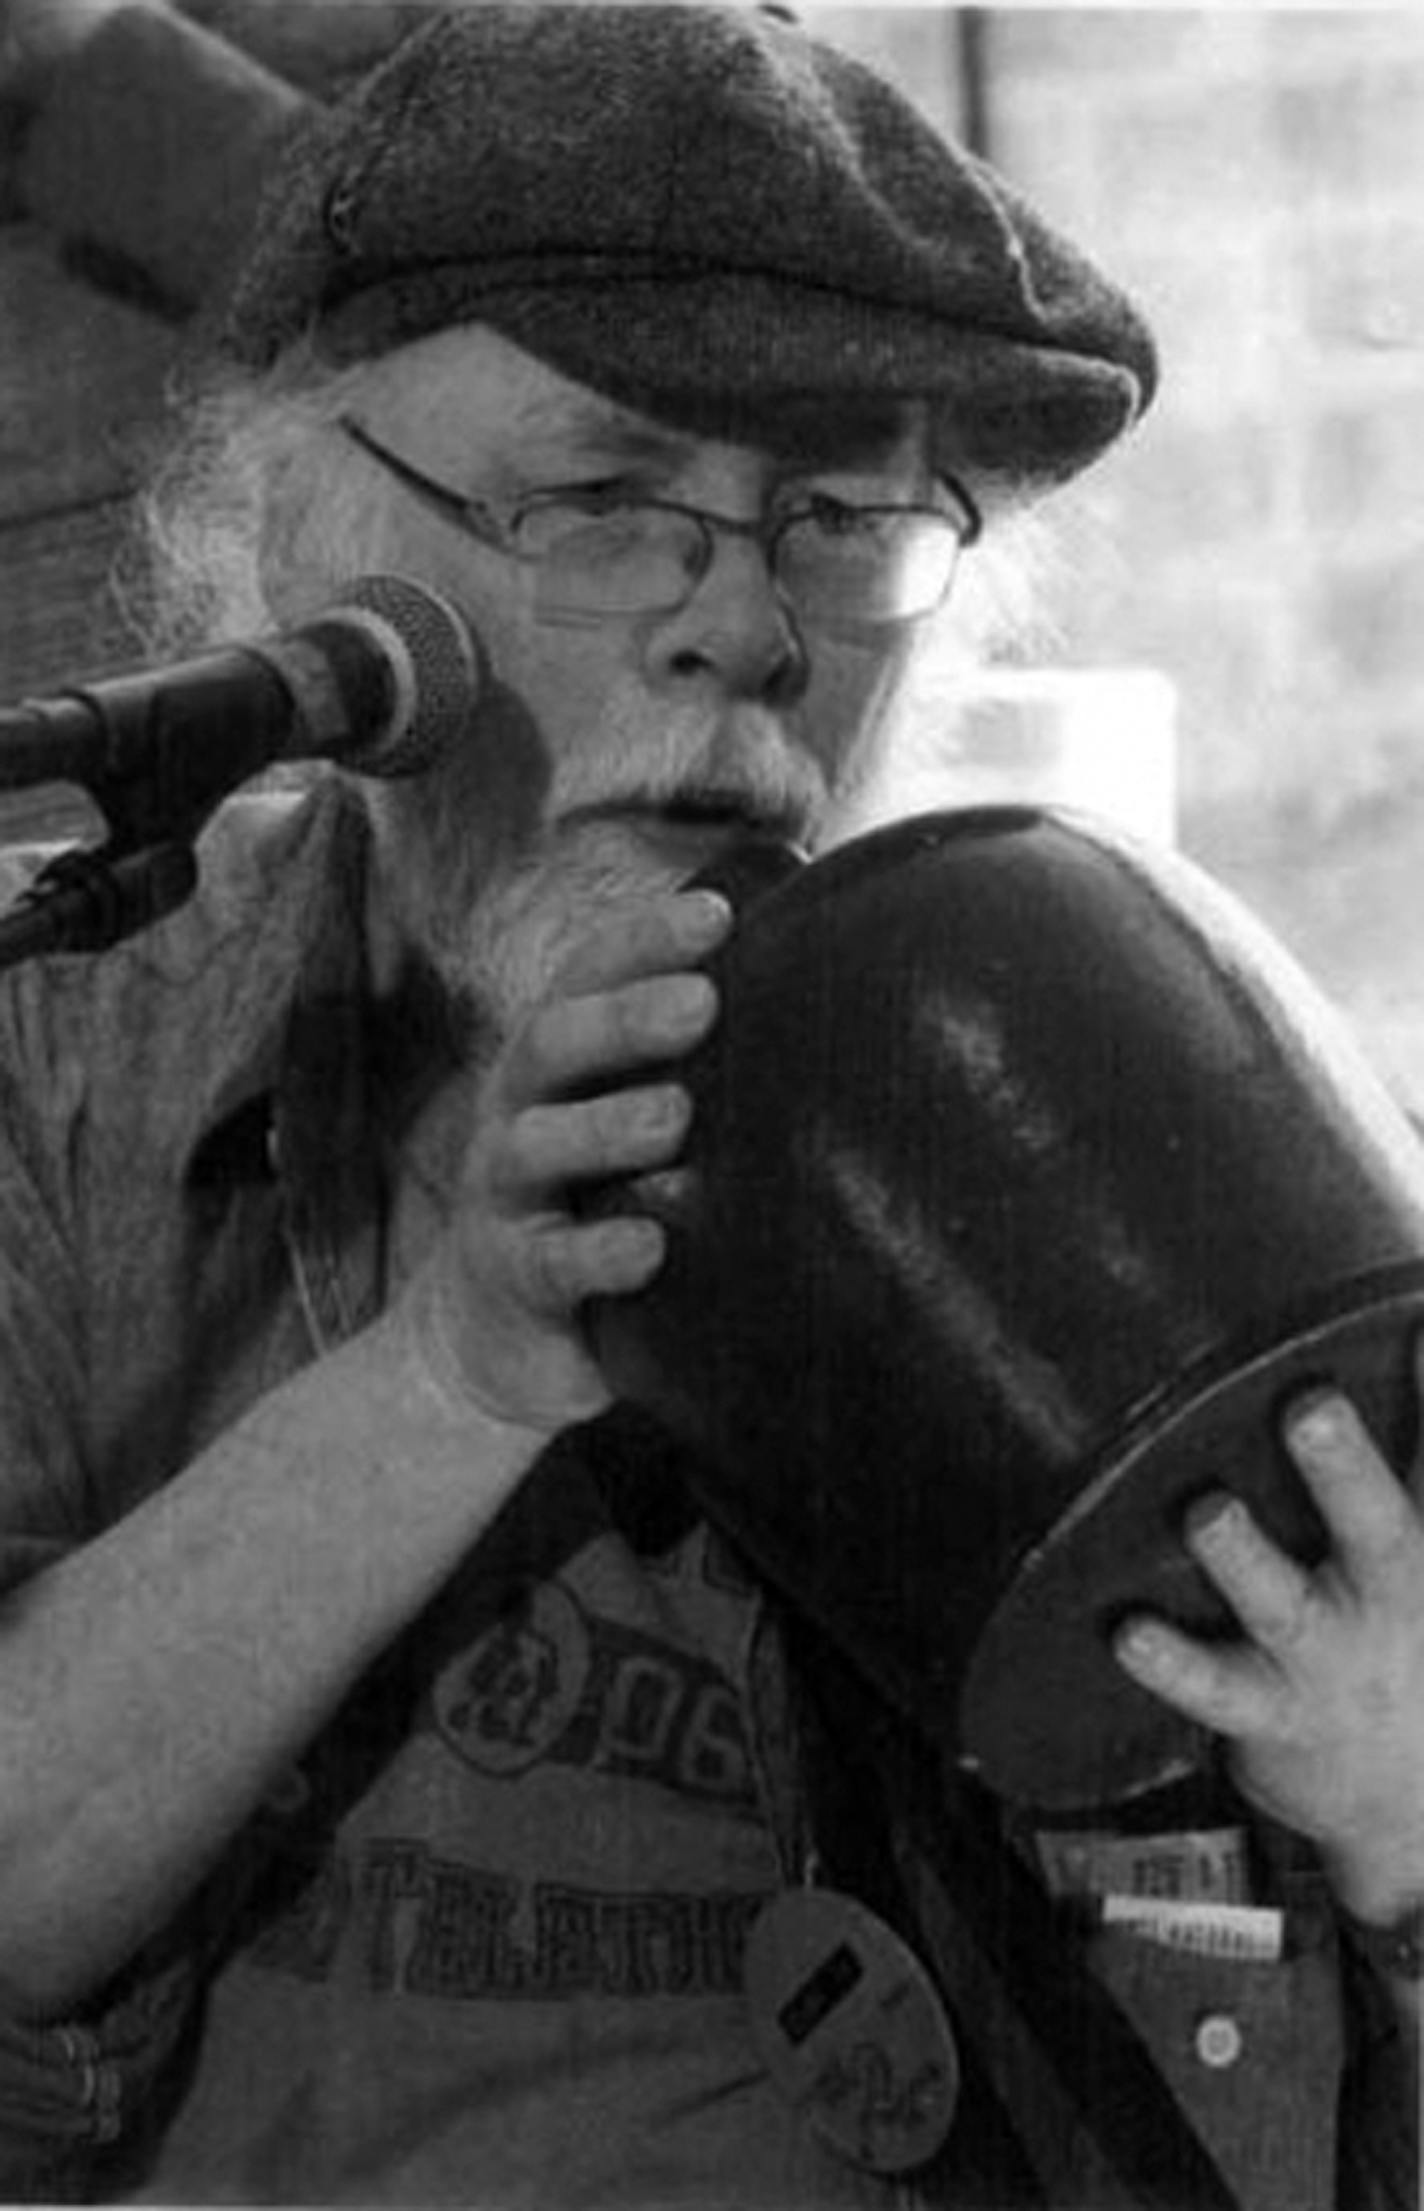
(160, 767)
(86, 899)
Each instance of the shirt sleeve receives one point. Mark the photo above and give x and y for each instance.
(79, 2097)
(44, 1492)
(68, 2089)
(1378, 2157)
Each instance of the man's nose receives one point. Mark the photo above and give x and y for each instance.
(735, 630)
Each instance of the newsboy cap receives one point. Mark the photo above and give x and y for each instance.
(693, 210)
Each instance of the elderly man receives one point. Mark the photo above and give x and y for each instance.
(396, 1766)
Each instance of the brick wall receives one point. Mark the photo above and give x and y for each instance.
(1257, 177)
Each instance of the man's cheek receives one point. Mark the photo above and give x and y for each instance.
(856, 689)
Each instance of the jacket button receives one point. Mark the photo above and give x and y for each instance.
(1219, 2041)
(339, 212)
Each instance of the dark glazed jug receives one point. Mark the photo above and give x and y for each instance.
(1030, 1178)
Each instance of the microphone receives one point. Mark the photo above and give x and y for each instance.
(382, 683)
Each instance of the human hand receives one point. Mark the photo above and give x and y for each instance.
(1322, 1703)
(497, 1307)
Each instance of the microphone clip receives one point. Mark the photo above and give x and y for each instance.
(87, 899)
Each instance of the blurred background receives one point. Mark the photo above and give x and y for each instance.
(1232, 653)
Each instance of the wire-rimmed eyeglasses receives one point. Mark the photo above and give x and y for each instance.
(607, 551)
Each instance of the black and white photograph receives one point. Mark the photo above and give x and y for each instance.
(712, 1274)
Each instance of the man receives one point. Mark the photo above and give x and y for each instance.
(396, 1767)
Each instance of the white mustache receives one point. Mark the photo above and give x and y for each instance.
(745, 765)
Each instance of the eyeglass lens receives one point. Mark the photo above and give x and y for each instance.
(882, 567)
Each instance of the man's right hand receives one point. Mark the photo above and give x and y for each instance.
(578, 1095)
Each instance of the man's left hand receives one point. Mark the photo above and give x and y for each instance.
(1322, 1701)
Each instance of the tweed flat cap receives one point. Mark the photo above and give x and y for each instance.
(693, 210)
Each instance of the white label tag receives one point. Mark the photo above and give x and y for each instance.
(1249, 1932)
(1201, 1866)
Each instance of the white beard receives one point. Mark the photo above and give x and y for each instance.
(495, 913)
(523, 928)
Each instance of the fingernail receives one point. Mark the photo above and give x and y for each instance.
(1214, 1516)
(1319, 1423)
(711, 914)
(643, 1241)
(666, 1110)
(693, 1001)
(1140, 1644)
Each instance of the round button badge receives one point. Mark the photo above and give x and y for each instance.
(1219, 2040)
(851, 2029)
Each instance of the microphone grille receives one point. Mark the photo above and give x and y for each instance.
(435, 664)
